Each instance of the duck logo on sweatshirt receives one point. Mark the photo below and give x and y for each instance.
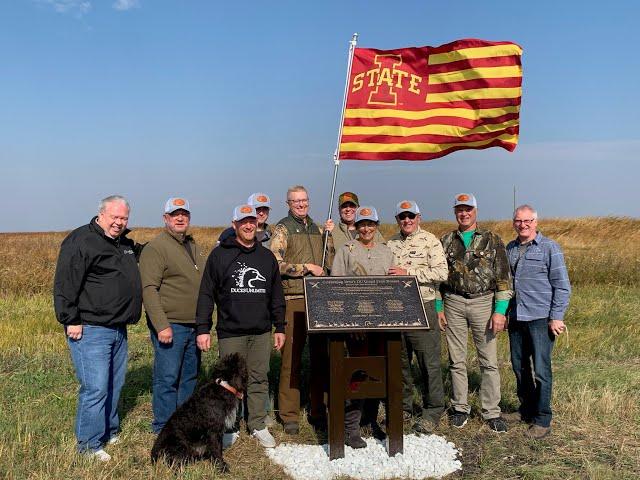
(246, 278)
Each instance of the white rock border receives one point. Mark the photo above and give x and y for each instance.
(425, 456)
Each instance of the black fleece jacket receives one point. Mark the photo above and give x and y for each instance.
(245, 284)
(97, 280)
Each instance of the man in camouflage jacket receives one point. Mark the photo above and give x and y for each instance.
(475, 296)
(418, 252)
(297, 244)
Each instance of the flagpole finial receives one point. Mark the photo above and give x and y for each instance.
(354, 38)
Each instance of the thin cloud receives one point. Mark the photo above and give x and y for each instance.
(124, 5)
(78, 8)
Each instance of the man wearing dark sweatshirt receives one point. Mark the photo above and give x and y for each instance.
(242, 278)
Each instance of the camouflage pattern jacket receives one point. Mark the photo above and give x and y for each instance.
(421, 255)
(482, 268)
(294, 244)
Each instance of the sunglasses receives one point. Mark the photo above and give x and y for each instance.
(405, 215)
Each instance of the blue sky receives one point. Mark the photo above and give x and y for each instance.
(213, 101)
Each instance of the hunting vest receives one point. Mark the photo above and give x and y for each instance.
(304, 245)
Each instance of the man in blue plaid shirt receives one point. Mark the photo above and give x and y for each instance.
(536, 317)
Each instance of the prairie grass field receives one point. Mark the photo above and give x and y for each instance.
(596, 374)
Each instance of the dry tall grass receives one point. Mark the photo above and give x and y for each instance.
(598, 250)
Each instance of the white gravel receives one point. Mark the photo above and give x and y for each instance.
(425, 456)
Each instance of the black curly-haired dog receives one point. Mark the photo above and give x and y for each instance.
(194, 431)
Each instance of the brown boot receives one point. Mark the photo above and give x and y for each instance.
(515, 417)
(538, 432)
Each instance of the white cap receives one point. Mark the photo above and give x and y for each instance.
(243, 211)
(176, 203)
(366, 213)
(407, 206)
(259, 200)
(465, 199)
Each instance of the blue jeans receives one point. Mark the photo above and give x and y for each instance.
(531, 343)
(100, 361)
(175, 372)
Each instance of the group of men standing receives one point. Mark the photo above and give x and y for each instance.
(255, 278)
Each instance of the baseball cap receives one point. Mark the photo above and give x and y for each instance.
(465, 199)
(366, 213)
(176, 203)
(243, 211)
(348, 197)
(407, 206)
(259, 200)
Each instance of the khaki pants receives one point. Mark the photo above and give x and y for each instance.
(255, 349)
(290, 370)
(426, 346)
(472, 314)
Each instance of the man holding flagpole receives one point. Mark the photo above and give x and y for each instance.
(346, 231)
(297, 244)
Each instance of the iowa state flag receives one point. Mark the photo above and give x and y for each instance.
(422, 103)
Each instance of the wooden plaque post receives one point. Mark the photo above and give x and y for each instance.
(382, 379)
(338, 306)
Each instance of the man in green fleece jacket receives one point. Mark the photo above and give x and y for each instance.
(171, 268)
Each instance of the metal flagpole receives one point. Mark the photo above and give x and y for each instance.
(336, 154)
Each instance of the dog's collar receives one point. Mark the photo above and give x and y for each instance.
(224, 384)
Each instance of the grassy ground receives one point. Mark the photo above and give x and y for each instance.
(596, 368)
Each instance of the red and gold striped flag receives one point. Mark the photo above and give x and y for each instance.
(422, 103)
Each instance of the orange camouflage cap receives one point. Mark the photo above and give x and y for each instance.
(348, 197)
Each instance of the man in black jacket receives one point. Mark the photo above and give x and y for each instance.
(243, 278)
(97, 292)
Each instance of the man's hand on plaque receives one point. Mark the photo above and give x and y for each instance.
(393, 270)
(315, 270)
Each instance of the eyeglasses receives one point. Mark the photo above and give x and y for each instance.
(527, 221)
(405, 215)
(348, 205)
(262, 210)
(304, 201)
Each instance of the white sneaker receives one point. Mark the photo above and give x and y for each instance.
(264, 437)
(100, 455)
(229, 439)
(115, 440)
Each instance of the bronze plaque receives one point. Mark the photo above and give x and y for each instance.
(349, 304)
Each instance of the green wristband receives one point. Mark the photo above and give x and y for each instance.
(501, 306)
(439, 306)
